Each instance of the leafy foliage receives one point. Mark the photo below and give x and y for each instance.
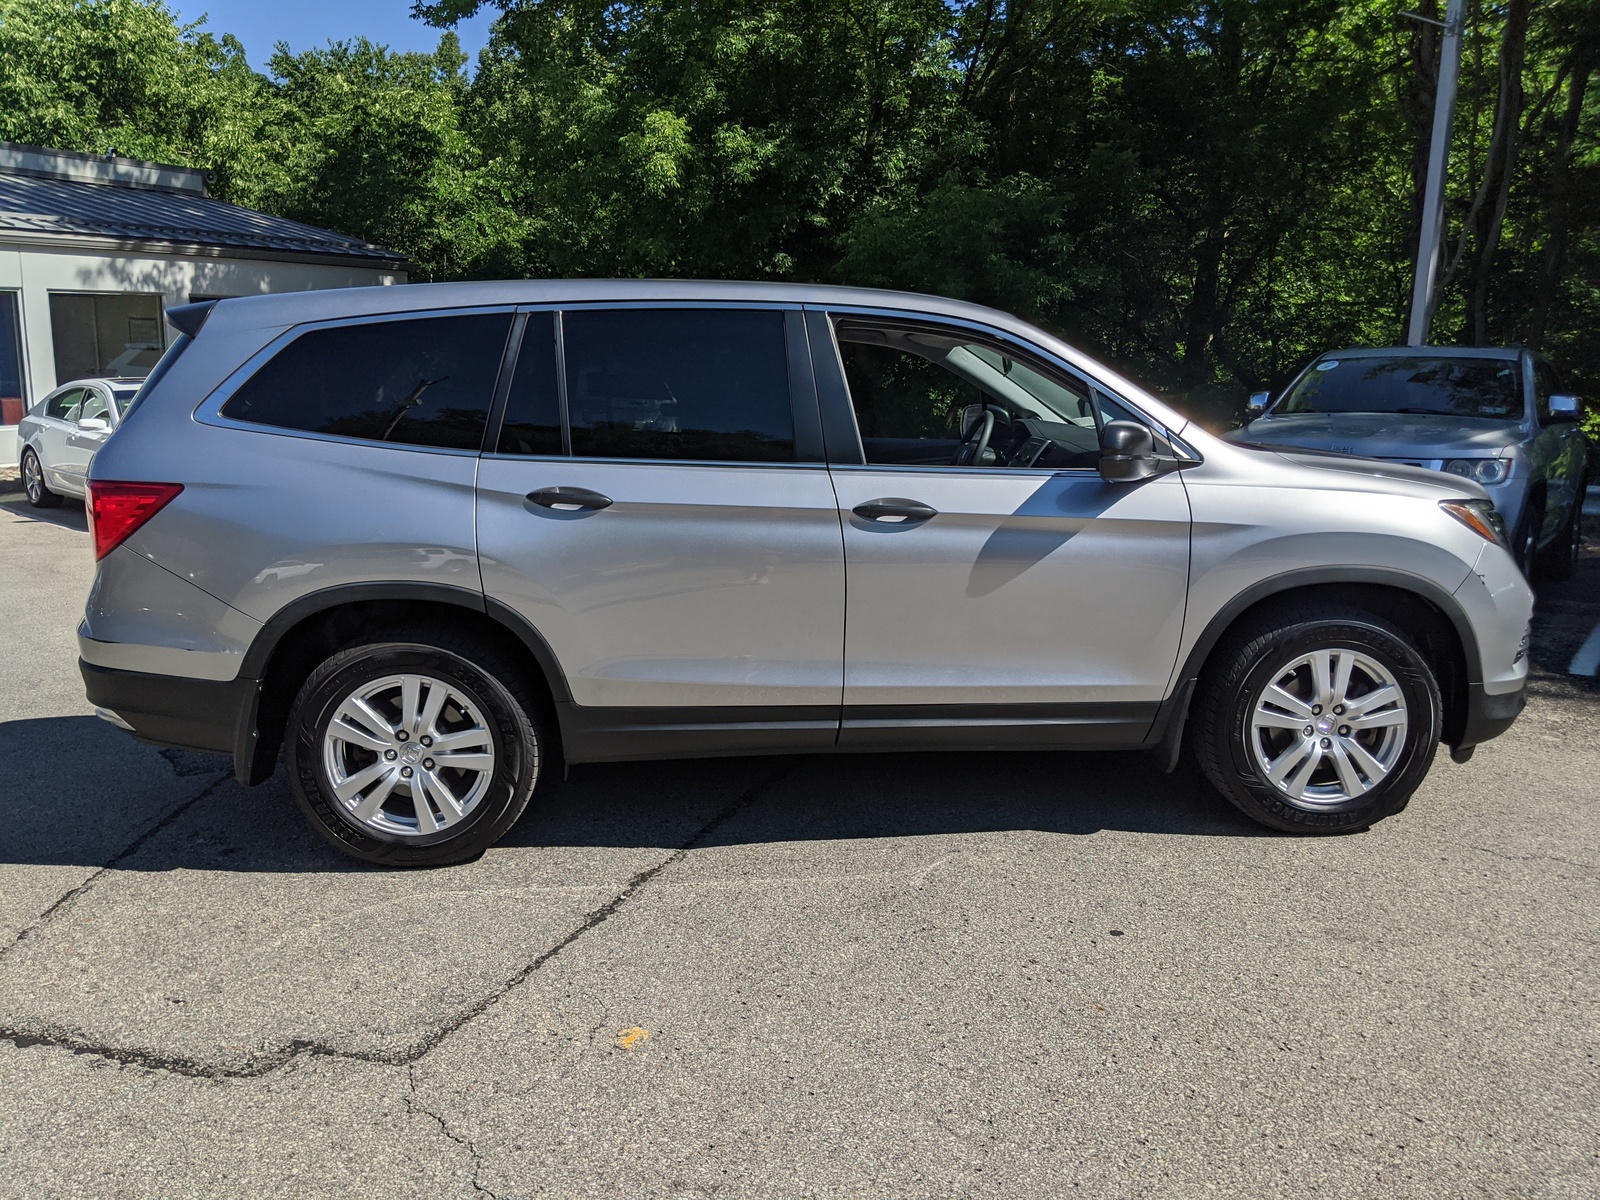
(1207, 191)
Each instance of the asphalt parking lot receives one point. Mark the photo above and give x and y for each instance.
(934, 976)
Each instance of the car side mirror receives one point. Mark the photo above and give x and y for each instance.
(1257, 404)
(1564, 408)
(93, 425)
(1127, 452)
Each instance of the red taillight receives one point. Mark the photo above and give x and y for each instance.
(116, 510)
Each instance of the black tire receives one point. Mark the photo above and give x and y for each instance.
(485, 677)
(1250, 658)
(33, 484)
(1559, 561)
(1525, 541)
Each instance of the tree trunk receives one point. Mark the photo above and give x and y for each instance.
(1583, 60)
(1489, 207)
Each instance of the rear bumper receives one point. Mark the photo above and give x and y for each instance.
(1488, 716)
(170, 710)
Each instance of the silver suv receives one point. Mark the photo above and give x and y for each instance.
(427, 543)
(1494, 415)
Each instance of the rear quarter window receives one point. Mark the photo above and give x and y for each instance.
(425, 381)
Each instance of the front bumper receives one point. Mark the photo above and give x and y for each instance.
(1489, 714)
(171, 710)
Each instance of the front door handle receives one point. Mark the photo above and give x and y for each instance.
(893, 510)
(569, 499)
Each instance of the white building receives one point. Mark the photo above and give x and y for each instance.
(93, 251)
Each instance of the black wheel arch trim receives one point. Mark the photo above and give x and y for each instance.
(309, 605)
(254, 760)
(1265, 589)
(1167, 731)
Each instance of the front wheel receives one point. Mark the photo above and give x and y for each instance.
(1525, 540)
(416, 750)
(1317, 720)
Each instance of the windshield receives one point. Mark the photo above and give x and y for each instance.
(1456, 387)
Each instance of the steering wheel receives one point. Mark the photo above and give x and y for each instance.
(973, 447)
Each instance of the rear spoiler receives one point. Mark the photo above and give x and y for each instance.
(187, 318)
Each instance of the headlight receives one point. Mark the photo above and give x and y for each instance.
(1480, 470)
(1478, 516)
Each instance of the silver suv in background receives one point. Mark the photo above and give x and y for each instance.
(423, 544)
(1492, 415)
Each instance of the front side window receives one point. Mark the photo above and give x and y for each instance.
(1544, 386)
(94, 407)
(933, 397)
(1410, 385)
(424, 381)
(707, 384)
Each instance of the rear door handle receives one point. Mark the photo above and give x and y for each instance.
(569, 499)
(893, 510)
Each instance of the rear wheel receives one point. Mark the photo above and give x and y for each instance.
(1317, 720)
(417, 750)
(38, 492)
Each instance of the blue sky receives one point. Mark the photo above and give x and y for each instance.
(307, 24)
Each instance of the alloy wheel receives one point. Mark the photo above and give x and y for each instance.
(1328, 728)
(408, 756)
(32, 477)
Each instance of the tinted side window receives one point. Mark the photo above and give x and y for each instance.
(423, 382)
(532, 422)
(66, 403)
(921, 396)
(94, 407)
(679, 383)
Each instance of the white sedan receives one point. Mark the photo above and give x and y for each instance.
(61, 433)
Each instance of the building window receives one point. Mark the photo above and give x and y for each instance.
(12, 398)
(100, 335)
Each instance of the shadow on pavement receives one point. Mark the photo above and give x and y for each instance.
(70, 515)
(191, 815)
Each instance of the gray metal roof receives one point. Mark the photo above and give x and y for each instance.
(39, 209)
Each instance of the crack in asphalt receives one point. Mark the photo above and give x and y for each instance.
(56, 1037)
(416, 1107)
(1527, 858)
(66, 899)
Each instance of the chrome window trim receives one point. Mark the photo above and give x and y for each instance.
(987, 472)
(209, 410)
(654, 462)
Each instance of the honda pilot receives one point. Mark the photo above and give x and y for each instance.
(424, 545)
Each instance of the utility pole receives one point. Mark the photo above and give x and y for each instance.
(1430, 240)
